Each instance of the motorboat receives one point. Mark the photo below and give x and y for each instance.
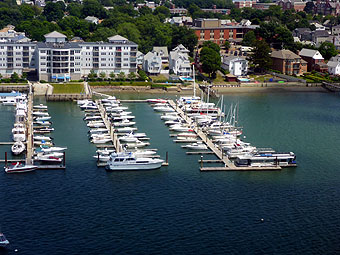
(266, 160)
(50, 154)
(105, 151)
(128, 138)
(124, 123)
(43, 130)
(19, 132)
(42, 138)
(18, 148)
(52, 149)
(125, 129)
(83, 101)
(101, 140)
(169, 117)
(116, 109)
(180, 128)
(43, 123)
(196, 146)
(89, 105)
(42, 118)
(173, 122)
(137, 144)
(48, 158)
(109, 99)
(128, 161)
(160, 104)
(37, 113)
(100, 136)
(123, 117)
(96, 124)
(102, 157)
(3, 240)
(98, 130)
(40, 107)
(156, 100)
(187, 134)
(47, 143)
(164, 109)
(95, 117)
(19, 167)
(144, 153)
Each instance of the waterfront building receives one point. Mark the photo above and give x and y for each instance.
(236, 66)
(313, 58)
(179, 62)
(59, 60)
(152, 63)
(161, 51)
(287, 62)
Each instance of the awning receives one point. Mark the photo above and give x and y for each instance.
(54, 77)
(61, 78)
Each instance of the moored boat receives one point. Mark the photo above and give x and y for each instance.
(19, 168)
(3, 240)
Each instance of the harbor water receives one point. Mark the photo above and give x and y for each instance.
(178, 209)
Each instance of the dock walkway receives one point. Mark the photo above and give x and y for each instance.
(29, 128)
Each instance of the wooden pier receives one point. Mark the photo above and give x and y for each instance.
(29, 130)
(108, 125)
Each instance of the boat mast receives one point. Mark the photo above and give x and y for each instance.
(193, 73)
(208, 100)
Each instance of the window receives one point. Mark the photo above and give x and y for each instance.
(43, 51)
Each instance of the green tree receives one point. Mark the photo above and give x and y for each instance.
(162, 10)
(112, 75)
(249, 39)
(54, 11)
(212, 45)
(93, 8)
(210, 59)
(227, 45)
(328, 50)
(142, 75)
(260, 56)
(130, 31)
(121, 76)
(92, 75)
(74, 9)
(15, 77)
(131, 76)
(144, 10)
(102, 75)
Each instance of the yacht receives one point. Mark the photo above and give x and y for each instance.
(124, 123)
(156, 100)
(196, 146)
(128, 161)
(42, 118)
(40, 107)
(137, 144)
(19, 132)
(267, 160)
(164, 109)
(89, 105)
(125, 129)
(18, 148)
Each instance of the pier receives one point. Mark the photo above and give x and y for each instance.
(108, 125)
(29, 128)
(228, 165)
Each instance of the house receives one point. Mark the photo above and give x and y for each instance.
(92, 19)
(245, 22)
(179, 62)
(236, 66)
(320, 36)
(243, 3)
(312, 57)
(333, 67)
(179, 21)
(140, 58)
(180, 11)
(161, 52)
(152, 64)
(263, 6)
(287, 62)
(336, 30)
(8, 34)
(304, 33)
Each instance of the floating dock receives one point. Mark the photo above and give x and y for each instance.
(29, 130)
(228, 165)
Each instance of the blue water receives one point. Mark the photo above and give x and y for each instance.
(178, 209)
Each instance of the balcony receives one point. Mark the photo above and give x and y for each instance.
(60, 64)
(60, 59)
(60, 53)
(96, 60)
(118, 54)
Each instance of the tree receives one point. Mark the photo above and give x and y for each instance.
(130, 31)
(92, 75)
(162, 10)
(102, 75)
(249, 39)
(112, 75)
(93, 8)
(54, 11)
(144, 10)
(327, 50)
(15, 77)
(227, 45)
(121, 76)
(131, 76)
(260, 56)
(210, 59)
(74, 9)
(142, 75)
(211, 45)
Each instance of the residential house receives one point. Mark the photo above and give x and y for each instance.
(161, 52)
(179, 62)
(245, 22)
(320, 36)
(152, 63)
(288, 62)
(312, 57)
(263, 6)
(304, 34)
(140, 58)
(333, 67)
(8, 34)
(323, 7)
(297, 5)
(243, 3)
(236, 66)
(336, 30)
(92, 19)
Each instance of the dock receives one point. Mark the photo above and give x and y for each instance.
(29, 128)
(228, 165)
(108, 125)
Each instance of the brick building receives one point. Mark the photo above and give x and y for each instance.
(287, 62)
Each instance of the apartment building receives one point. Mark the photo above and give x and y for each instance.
(59, 60)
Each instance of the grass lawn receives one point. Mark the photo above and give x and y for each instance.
(159, 77)
(219, 78)
(68, 88)
(260, 78)
(13, 84)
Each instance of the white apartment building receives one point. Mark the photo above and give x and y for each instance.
(179, 62)
(58, 60)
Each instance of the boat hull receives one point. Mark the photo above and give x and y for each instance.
(135, 166)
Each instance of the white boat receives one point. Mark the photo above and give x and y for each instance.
(116, 109)
(169, 117)
(48, 158)
(124, 123)
(19, 132)
(196, 146)
(266, 160)
(89, 106)
(37, 113)
(102, 157)
(109, 99)
(96, 124)
(128, 161)
(100, 136)
(42, 138)
(101, 140)
(105, 151)
(137, 144)
(18, 148)
(52, 149)
(160, 104)
(84, 101)
(128, 138)
(98, 130)
(43, 123)
(3, 240)
(164, 109)
(47, 143)
(95, 117)
(180, 128)
(123, 117)
(40, 107)
(144, 153)
(187, 134)
(156, 100)
(125, 130)
(51, 154)
(42, 118)
(173, 122)
(19, 168)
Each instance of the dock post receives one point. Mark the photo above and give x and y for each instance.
(201, 161)
(167, 157)
(5, 158)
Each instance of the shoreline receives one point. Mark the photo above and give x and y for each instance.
(220, 90)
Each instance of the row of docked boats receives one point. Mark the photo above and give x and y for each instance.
(118, 120)
(221, 129)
